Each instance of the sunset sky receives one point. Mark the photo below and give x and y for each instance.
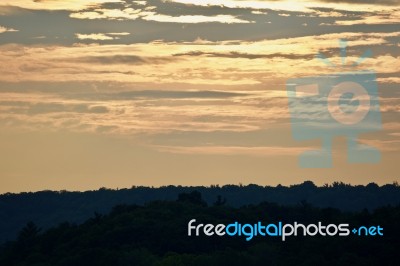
(115, 93)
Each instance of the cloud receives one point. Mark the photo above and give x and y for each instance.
(389, 80)
(207, 63)
(165, 14)
(111, 14)
(369, 2)
(248, 4)
(233, 150)
(228, 19)
(259, 12)
(121, 10)
(392, 17)
(97, 109)
(101, 36)
(4, 29)
(158, 94)
(175, 94)
(141, 3)
(133, 14)
(123, 59)
(94, 36)
(149, 112)
(106, 129)
(119, 33)
(56, 4)
(45, 108)
(383, 145)
(246, 55)
(185, 76)
(305, 6)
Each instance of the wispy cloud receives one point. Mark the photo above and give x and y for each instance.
(234, 54)
(369, 2)
(111, 14)
(218, 63)
(4, 29)
(94, 36)
(234, 150)
(102, 36)
(295, 5)
(144, 111)
(119, 33)
(388, 17)
(199, 80)
(132, 14)
(56, 4)
(194, 19)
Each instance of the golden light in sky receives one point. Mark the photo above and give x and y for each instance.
(121, 93)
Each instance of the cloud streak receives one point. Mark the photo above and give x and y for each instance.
(56, 4)
(94, 36)
(234, 150)
(4, 29)
(192, 63)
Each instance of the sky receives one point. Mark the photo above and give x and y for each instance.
(117, 93)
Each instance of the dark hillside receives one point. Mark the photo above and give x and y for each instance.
(156, 234)
(49, 208)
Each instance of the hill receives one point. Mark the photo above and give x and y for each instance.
(156, 234)
(49, 208)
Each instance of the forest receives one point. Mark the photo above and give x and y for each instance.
(155, 233)
(50, 208)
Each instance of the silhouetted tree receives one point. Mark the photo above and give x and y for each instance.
(29, 232)
(220, 201)
(193, 197)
